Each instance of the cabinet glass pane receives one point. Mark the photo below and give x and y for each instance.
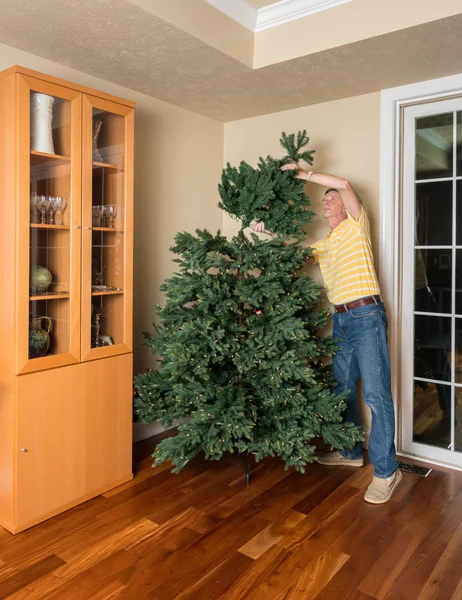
(108, 238)
(49, 252)
(434, 146)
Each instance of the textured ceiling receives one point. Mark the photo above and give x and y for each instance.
(118, 41)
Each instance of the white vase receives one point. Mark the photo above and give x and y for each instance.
(41, 117)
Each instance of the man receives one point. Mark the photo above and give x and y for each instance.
(360, 326)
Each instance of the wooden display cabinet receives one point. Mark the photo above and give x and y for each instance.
(66, 255)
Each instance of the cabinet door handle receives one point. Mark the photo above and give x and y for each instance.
(23, 449)
(77, 226)
(87, 227)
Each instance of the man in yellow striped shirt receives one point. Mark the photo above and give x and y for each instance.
(360, 327)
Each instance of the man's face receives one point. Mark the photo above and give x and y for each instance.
(333, 206)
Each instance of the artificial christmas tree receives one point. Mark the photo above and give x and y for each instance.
(239, 351)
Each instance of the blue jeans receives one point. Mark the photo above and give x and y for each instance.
(362, 336)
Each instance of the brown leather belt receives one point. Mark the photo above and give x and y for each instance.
(341, 308)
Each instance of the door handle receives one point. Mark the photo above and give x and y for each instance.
(23, 449)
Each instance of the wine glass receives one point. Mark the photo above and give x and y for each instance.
(60, 206)
(42, 205)
(34, 216)
(51, 209)
(110, 212)
(96, 215)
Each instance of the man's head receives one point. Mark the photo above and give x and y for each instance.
(333, 207)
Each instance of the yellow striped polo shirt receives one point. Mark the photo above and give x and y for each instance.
(346, 261)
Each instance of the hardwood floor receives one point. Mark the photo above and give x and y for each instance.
(205, 535)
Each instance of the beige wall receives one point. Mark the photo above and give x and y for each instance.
(346, 137)
(178, 161)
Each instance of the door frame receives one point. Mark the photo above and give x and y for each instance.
(393, 103)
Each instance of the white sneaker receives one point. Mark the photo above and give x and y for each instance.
(335, 459)
(381, 490)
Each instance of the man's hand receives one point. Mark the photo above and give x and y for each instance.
(259, 227)
(293, 166)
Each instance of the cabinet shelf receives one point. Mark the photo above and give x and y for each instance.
(46, 226)
(102, 165)
(108, 229)
(39, 158)
(108, 293)
(64, 296)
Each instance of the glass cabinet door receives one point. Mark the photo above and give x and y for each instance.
(48, 217)
(107, 228)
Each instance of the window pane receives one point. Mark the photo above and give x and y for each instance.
(459, 282)
(432, 344)
(434, 214)
(459, 143)
(458, 356)
(433, 281)
(432, 414)
(434, 146)
(458, 420)
(459, 214)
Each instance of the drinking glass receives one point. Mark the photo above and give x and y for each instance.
(51, 209)
(34, 215)
(60, 206)
(96, 216)
(42, 205)
(110, 212)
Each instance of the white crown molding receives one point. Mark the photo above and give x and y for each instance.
(290, 10)
(239, 10)
(273, 15)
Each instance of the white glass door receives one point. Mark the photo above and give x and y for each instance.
(431, 283)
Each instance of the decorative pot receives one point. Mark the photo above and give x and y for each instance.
(41, 117)
(39, 338)
(40, 279)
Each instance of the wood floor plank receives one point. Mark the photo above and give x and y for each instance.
(425, 557)
(22, 579)
(271, 535)
(366, 539)
(288, 567)
(142, 475)
(262, 481)
(361, 478)
(445, 577)
(215, 583)
(315, 577)
(97, 582)
(381, 578)
(205, 535)
(185, 567)
(91, 557)
(244, 587)
(194, 492)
